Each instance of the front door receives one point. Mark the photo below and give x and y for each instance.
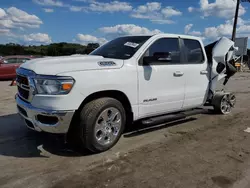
(196, 72)
(161, 82)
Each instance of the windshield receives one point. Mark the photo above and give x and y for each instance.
(121, 48)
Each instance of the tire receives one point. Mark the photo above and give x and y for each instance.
(93, 134)
(224, 103)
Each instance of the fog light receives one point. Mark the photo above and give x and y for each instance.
(29, 124)
(52, 120)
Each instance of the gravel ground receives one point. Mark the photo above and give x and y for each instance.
(205, 150)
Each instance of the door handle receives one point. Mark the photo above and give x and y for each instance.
(204, 72)
(178, 73)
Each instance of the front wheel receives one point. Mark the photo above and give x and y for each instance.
(102, 122)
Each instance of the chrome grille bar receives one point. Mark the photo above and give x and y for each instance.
(25, 84)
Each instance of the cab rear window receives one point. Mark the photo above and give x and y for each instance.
(193, 51)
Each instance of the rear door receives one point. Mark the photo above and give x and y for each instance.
(197, 73)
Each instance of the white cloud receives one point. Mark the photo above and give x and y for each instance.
(128, 29)
(244, 29)
(113, 32)
(4, 31)
(76, 8)
(55, 3)
(86, 1)
(219, 8)
(169, 12)
(92, 5)
(2, 13)
(187, 31)
(227, 28)
(21, 17)
(190, 9)
(41, 38)
(154, 12)
(221, 30)
(6, 23)
(84, 39)
(159, 21)
(149, 7)
(48, 10)
(95, 6)
(195, 33)
(240, 21)
(113, 6)
(187, 28)
(16, 18)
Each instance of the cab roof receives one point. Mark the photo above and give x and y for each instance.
(177, 35)
(167, 35)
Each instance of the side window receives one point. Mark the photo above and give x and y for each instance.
(10, 60)
(194, 51)
(165, 51)
(22, 60)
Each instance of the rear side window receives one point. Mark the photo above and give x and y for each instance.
(10, 60)
(193, 51)
(22, 60)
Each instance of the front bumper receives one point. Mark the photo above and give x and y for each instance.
(31, 114)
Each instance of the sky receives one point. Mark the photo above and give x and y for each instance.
(35, 22)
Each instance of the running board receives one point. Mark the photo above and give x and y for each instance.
(170, 117)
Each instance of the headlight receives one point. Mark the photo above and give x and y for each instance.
(53, 86)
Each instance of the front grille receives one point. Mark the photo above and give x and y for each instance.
(23, 86)
(22, 80)
(23, 93)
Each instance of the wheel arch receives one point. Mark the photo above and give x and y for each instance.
(116, 94)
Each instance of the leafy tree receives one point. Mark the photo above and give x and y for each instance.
(54, 49)
(90, 47)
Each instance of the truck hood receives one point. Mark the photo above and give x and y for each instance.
(61, 64)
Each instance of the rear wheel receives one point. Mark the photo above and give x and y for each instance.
(224, 103)
(102, 122)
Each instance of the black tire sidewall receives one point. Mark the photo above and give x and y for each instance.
(217, 105)
(90, 140)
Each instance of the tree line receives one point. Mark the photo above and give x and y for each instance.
(54, 49)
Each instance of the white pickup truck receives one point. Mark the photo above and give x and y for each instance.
(132, 78)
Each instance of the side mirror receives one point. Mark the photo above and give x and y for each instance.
(149, 59)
